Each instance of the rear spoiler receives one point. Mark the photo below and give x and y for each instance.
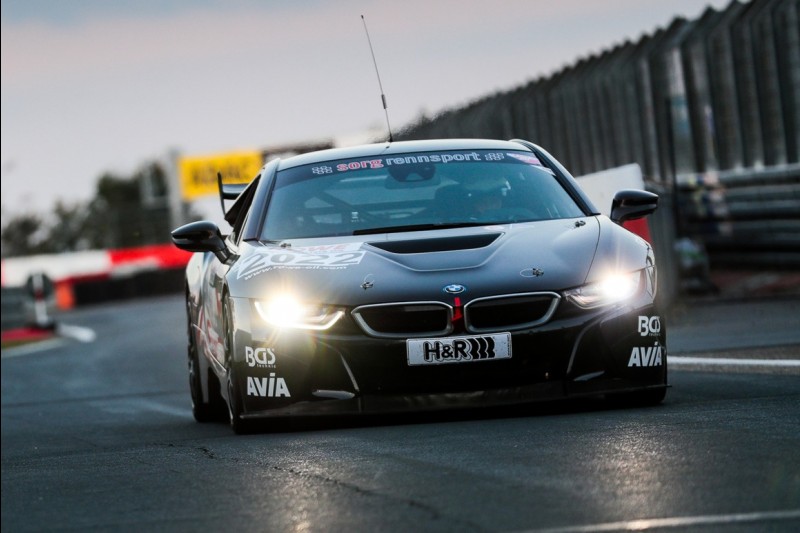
(232, 191)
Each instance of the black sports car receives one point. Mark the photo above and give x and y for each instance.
(414, 275)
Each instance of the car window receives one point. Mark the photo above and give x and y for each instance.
(415, 190)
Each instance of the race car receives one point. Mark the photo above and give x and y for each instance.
(418, 275)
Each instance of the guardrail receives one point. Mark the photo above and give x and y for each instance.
(15, 308)
(745, 218)
(709, 108)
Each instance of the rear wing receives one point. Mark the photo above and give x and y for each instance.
(229, 191)
(233, 191)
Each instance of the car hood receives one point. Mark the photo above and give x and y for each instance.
(417, 266)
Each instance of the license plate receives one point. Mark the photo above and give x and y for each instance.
(447, 350)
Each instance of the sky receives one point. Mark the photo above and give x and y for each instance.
(95, 86)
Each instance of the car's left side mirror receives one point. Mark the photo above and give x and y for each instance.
(201, 236)
(631, 204)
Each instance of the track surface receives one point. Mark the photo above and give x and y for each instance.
(99, 436)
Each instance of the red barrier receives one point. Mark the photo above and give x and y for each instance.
(65, 270)
(159, 255)
(639, 227)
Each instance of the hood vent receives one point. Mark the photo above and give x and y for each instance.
(440, 244)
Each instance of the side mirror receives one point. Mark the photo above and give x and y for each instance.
(631, 204)
(202, 236)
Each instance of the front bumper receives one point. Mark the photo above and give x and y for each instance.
(577, 353)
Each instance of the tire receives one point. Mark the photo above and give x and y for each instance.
(235, 408)
(238, 424)
(202, 411)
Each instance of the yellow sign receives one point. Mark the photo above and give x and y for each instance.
(198, 175)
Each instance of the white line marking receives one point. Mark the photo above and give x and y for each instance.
(78, 333)
(159, 407)
(139, 406)
(35, 347)
(676, 522)
(728, 361)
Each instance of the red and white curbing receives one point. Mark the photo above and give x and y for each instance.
(69, 268)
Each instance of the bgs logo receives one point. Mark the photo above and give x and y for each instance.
(649, 326)
(260, 357)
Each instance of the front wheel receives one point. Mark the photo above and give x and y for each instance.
(235, 407)
(238, 424)
(203, 411)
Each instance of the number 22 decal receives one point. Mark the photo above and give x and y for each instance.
(268, 261)
(336, 259)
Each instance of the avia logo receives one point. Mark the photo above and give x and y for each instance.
(645, 356)
(270, 387)
(454, 288)
(260, 357)
(649, 326)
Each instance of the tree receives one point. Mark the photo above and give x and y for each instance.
(130, 211)
(125, 212)
(67, 229)
(23, 235)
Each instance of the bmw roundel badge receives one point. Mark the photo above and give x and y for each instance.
(454, 288)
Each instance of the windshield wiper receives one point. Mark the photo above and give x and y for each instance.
(417, 227)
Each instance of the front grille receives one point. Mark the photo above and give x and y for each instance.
(402, 320)
(510, 312)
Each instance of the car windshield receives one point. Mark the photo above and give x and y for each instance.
(414, 191)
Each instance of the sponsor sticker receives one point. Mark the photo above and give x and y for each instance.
(269, 387)
(649, 326)
(329, 257)
(423, 158)
(645, 356)
(434, 158)
(458, 349)
(259, 357)
(358, 165)
(526, 158)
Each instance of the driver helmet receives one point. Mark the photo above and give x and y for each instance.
(487, 186)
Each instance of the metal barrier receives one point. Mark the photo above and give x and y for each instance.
(15, 312)
(662, 229)
(744, 218)
(709, 108)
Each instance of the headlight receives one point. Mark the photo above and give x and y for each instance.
(287, 312)
(612, 289)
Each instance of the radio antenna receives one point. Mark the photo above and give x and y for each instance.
(380, 85)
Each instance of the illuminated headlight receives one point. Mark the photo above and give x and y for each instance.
(287, 312)
(612, 289)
